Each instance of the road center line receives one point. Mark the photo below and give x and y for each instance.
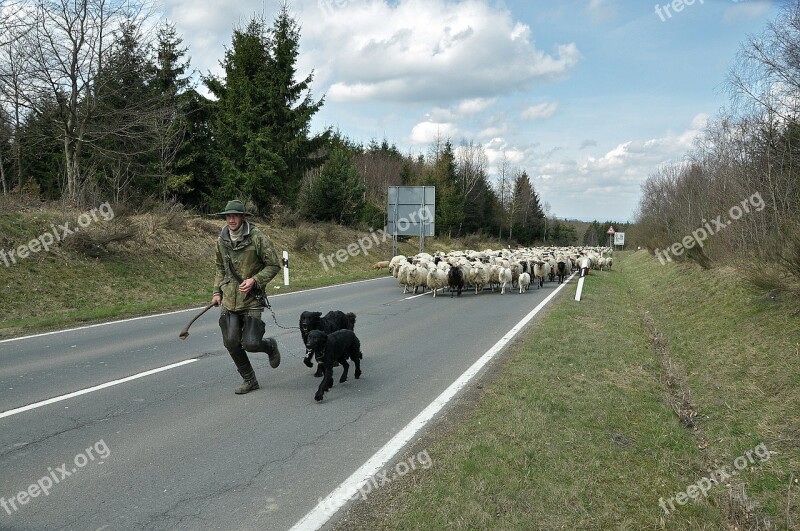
(92, 389)
(328, 507)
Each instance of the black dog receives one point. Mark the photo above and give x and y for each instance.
(335, 347)
(334, 320)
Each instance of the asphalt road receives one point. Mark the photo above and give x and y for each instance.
(177, 449)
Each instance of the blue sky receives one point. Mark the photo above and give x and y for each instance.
(587, 96)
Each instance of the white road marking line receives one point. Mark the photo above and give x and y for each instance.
(92, 389)
(417, 295)
(328, 507)
(171, 313)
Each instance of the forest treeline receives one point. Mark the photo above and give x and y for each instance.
(735, 198)
(101, 103)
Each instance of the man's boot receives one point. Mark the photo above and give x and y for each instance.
(249, 384)
(252, 340)
(271, 348)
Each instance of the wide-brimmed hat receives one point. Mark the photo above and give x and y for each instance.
(234, 207)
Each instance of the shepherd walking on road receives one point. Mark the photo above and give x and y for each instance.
(245, 262)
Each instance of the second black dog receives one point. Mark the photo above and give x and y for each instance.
(334, 320)
(338, 347)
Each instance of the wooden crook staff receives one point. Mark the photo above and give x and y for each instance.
(185, 332)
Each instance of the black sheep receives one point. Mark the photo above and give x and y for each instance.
(562, 271)
(455, 279)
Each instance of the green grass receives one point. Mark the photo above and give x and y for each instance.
(576, 429)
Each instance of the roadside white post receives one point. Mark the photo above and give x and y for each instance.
(584, 272)
(285, 268)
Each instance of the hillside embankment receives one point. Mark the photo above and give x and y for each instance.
(61, 267)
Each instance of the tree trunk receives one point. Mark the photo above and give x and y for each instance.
(3, 175)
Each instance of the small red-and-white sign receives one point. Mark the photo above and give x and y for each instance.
(610, 230)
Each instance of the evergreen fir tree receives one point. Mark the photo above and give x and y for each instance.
(260, 129)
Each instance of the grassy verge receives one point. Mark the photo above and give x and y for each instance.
(658, 378)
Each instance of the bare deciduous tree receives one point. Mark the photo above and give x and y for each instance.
(471, 165)
(64, 53)
(17, 21)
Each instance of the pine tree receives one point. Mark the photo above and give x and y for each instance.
(449, 199)
(170, 85)
(527, 215)
(338, 193)
(290, 111)
(239, 124)
(260, 129)
(41, 149)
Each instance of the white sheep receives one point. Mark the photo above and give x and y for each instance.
(417, 277)
(505, 279)
(494, 276)
(541, 269)
(516, 270)
(395, 263)
(524, 282)
(402, 275)
(437, 279)
(478, 276)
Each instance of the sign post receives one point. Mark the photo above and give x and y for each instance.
(411, 211)
(619, 239)
(610, 233)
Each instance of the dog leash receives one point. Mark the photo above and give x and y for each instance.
(264, 300)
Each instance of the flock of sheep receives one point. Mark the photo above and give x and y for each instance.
(503, 269)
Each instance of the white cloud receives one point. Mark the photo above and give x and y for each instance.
(541, 111)
(600, 10)
(425, 133)
(611, 179)
(475, 105)
(428, 50)
(498, 149)
(207, 27)
(463, 109)
(492, 132)
(746, 10)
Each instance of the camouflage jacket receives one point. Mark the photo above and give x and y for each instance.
(252, 256)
